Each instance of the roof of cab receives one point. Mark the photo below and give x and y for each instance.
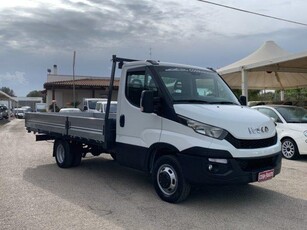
(151, 63)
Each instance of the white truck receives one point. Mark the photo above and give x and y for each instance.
(41, 107)
(89, 104)
(101, 106)
(181, 124)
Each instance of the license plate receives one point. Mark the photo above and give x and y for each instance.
(265, 175)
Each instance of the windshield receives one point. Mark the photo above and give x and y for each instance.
(92, 104)
(293, 114)
(195, 85)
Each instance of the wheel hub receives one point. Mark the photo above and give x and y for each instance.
(167, 179)
(288, 149)
(60, 153)
(164, 180)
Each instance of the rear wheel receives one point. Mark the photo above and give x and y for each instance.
(63, 156)
(289, 149)
(169, 181)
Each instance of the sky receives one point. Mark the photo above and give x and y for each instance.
(36, 34)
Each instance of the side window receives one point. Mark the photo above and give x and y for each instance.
(134, 86)
(137, 81)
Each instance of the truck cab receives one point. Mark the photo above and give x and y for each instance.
(174, 119)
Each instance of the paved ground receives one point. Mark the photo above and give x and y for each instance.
(100, 194)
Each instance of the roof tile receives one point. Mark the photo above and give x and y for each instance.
(82, 82)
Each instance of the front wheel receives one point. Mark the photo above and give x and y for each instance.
(289, 149)
(169, 181)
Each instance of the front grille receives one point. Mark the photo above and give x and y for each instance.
(251, 144)
(256, 164)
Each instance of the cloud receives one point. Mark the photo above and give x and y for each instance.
(62, 26)
(92, 25)
(17, 77)
(34, 35)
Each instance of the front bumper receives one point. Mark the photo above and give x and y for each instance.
(198, 169)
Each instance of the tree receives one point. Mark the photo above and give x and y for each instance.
(253, 95)
(296, 94)
(35, 93)
(8, 91)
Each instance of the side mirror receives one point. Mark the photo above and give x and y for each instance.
(85, 108)
(242, 100)
(147, 101)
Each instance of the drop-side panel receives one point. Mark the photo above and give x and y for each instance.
(80, 126)
(86, 128)
(45, 123)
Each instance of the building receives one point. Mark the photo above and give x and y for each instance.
(60, 89)
(27, 101)
(17, 102)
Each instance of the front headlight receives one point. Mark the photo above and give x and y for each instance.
(208, 130)
(305, 133)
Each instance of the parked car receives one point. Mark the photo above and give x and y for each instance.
(291, 126)
(4, 112)
(19, 113)
(27, 109)
(69, 110)
(102, 105)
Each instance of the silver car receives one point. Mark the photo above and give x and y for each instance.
(4, 112)
(19, 113)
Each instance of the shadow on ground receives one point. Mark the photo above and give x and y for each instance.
(100, 186)
(4, 121)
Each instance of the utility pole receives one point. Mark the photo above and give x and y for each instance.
(73, 76)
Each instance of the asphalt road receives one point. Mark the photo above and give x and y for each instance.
(100, 194)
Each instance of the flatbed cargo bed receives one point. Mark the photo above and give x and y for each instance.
(88, 126)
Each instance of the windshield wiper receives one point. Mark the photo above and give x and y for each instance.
(224, 102)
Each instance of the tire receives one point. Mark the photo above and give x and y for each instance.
(168, 179)
(63, 156)
(289, 149)
(77, 154)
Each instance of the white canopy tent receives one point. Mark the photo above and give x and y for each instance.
(269, 67)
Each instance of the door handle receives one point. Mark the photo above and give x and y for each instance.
(122, 120)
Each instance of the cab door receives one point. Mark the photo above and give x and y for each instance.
(136, 131)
